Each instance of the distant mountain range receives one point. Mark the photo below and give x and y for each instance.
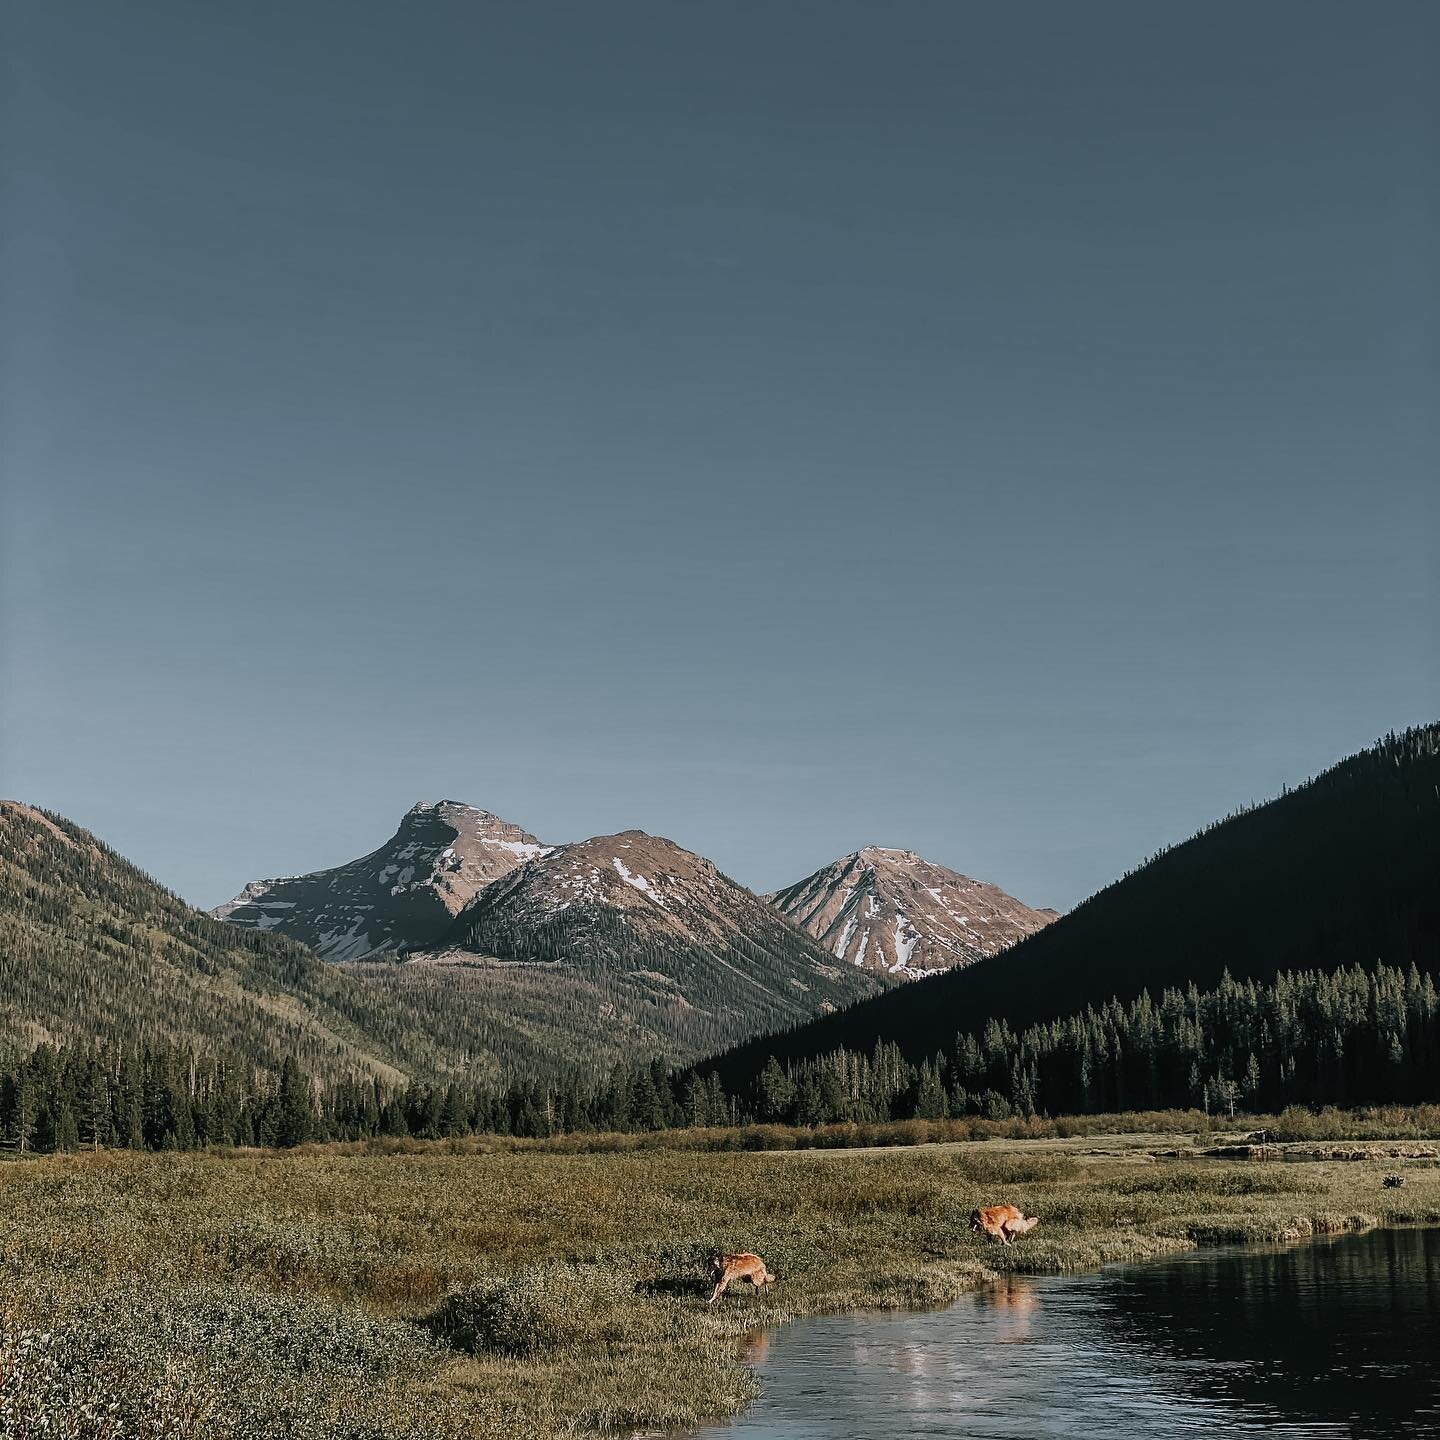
(889, 912)
(631, 927)
(461, 945)
(900, 915)
(466, 946)
(1342, 871)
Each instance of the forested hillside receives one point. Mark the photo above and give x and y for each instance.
(1349, 1038)
(1355, 1037)
(1344, 870)
(92, 948)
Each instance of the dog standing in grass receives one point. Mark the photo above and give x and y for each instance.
(726, 1268)
(1004, 1222)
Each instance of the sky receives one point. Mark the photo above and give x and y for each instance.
(1006, 432)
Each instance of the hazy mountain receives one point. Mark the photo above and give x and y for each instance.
(403, 895)
(894, 912)
(1344, 870)
(664, 934)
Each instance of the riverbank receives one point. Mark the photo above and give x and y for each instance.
(305, 1295)
(1233, 1339)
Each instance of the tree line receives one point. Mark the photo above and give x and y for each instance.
(65, 1098)
(1350, 1037)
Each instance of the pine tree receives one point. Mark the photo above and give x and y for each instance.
(775, 1096)
(294, 1110)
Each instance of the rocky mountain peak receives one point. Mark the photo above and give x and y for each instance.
(628, 872)
(894, 911)
(403, 895)
(660, 925)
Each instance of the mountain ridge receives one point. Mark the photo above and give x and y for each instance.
(92, 948)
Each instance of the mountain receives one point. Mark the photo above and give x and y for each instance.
(657, 932)
(404, 895)
(1343, 870)
(894, 912)
(92, 948)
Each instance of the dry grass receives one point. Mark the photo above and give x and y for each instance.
(536, 1292)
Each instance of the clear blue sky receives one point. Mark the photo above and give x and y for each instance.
(1006, 431)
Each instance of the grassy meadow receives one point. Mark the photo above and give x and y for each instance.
(513, 1290)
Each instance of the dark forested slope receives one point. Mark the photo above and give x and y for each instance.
(1344, 870)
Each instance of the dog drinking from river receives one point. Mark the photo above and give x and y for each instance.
(1004, 1222)
(726, 1268)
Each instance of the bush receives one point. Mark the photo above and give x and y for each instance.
(242, 1334)
(497, 1315)
(536, 1310)
(148, 1360)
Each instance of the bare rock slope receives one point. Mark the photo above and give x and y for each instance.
(894, 912)
(404, 895)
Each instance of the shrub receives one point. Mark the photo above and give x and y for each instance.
(537, 1309)
(497, 1315)
(1226, 1181)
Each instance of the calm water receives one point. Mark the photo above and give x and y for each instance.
(1335, 1338)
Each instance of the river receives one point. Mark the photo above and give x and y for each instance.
(1337, 1337)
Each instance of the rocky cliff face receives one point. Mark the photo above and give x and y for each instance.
(892, 911)
(404, 895)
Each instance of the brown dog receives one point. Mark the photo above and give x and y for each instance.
(1004, 1222)
(726, 1268)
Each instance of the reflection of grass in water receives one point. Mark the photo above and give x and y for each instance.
(532, 1293)
(1302, 1332)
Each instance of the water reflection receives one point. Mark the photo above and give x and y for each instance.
(1335, 1339)
(1345, 1331)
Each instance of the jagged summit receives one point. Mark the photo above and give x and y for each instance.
(892, 910)
(403, 895)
